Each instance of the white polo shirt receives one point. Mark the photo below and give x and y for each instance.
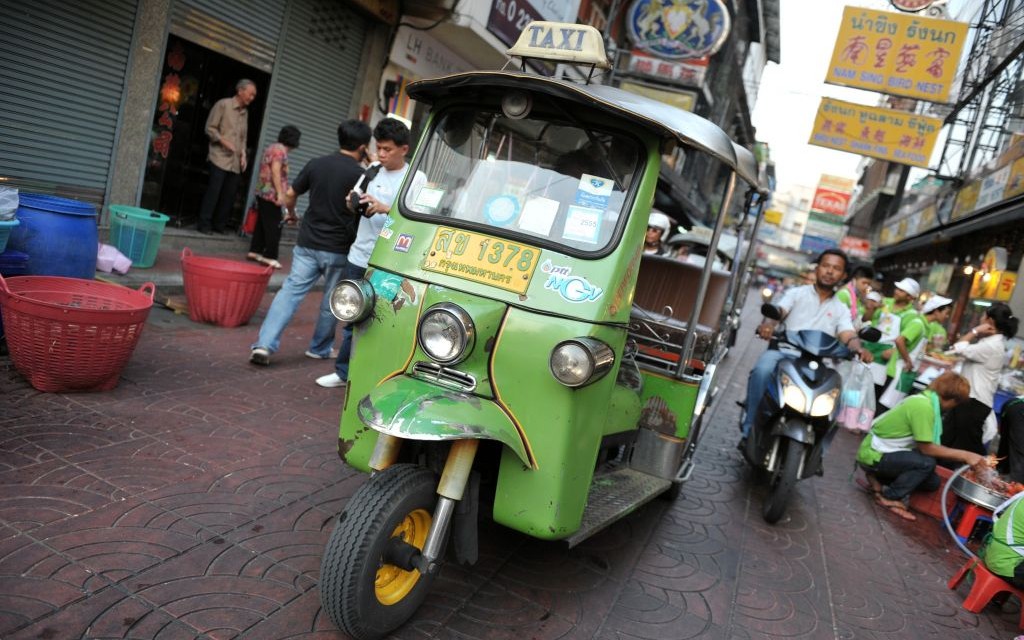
(805, 310)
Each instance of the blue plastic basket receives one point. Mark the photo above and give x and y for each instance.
(136, 233)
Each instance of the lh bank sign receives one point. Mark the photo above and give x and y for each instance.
(678, 29)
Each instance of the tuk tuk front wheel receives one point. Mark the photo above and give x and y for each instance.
(361, 592)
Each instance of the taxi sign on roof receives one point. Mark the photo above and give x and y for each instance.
(561, 42)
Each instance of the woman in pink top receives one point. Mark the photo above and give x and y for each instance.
(270, 198)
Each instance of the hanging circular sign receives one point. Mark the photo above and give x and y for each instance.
(678, 29)
(912, 6)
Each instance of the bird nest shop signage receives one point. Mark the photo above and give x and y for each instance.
(678, 29)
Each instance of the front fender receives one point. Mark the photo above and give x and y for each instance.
(413, 409)
(794, 428)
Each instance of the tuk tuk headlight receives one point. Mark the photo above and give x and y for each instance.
(792, 395)
(824, 404)
(580, 361)
(352, 300)
(446, 333)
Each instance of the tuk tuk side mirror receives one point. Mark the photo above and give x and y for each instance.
(771, 312)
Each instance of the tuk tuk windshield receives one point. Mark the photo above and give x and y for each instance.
(553, 181)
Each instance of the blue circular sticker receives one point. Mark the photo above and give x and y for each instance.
(502, 210)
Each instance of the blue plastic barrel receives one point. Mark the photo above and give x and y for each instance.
(58, 234)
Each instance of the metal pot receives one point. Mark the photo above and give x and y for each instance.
(976, 493)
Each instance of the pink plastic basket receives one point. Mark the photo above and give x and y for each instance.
(222, 292)
(69, 334)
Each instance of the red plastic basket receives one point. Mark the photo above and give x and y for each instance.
(69, 334)
(222, 292)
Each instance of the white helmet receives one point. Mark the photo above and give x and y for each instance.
(661, 221)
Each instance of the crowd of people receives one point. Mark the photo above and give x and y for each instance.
(950, 423)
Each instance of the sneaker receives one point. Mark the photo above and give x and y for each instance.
(260, 356)
(331, 381)
(318, 356)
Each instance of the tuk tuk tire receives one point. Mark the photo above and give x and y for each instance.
(352, 557)
(785, 480)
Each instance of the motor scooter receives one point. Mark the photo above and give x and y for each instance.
(796, 419)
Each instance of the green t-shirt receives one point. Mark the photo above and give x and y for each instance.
(843, 295)
(913, 329)
(938, 338)
(1000, 558)
(912, 419)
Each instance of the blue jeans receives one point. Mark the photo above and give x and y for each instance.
(760, 383)
(352, 272)
(307, 267)
(904, 471)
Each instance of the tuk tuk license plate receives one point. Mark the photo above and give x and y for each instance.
(481, 258)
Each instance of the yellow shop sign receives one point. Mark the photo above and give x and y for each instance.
(896, 136)
(899, 54)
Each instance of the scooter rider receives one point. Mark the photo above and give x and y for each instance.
(811, 306)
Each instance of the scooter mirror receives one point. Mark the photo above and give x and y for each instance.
(771, 312)
(869, 334)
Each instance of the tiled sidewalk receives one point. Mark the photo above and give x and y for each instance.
(195, 499)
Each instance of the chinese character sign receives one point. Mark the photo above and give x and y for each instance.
(896, 136)
(898, 54)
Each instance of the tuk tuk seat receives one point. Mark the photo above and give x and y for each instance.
(670, 283)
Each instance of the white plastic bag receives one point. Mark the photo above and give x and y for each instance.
(857, 405)
(8, 203)
(108, 259)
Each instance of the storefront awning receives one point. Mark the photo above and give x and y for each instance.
(1005, 213)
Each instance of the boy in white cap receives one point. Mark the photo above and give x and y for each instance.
(658, 227)
(909, 344)
(936, 312)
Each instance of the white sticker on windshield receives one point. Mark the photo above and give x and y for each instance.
(429, 198)
(594, 191)
(538, 215)
(582, 224)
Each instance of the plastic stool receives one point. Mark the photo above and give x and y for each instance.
(987, 585)
(970, 516)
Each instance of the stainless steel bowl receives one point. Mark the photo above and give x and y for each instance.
(976, 493)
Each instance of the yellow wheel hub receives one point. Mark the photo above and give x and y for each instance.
(394, 583)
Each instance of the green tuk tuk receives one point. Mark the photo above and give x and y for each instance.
(516, 353)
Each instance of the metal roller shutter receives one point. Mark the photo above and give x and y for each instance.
(244, 31)
(314, 77)
(62, 74)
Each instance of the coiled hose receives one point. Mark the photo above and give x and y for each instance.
(945, 511)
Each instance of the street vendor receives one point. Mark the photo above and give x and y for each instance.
(983, 349)
(907, 349)
(898, 454)
(888, 319)
(1011, 441)
(936, 312)
(1004, 553)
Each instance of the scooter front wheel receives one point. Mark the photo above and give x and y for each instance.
(783, 481)
(362, 593)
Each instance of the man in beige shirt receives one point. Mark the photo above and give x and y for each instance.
(227, 127)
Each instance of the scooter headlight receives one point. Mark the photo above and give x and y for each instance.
(352, 300)
(580, 361)
(792, 395)
(446, 333)
(824, 404)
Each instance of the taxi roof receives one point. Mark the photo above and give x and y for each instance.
(664, 120)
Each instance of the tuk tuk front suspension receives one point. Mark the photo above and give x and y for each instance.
(450, 490)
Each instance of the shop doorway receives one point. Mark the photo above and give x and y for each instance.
(193, 79)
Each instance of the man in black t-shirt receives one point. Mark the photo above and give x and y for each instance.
(325, 235)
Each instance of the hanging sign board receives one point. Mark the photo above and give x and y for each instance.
(896, 136)
(678, 30)
(685, 72)
(898, 54)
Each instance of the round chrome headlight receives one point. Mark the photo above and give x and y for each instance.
(446, 333)
(580, 361)
(352, 300)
